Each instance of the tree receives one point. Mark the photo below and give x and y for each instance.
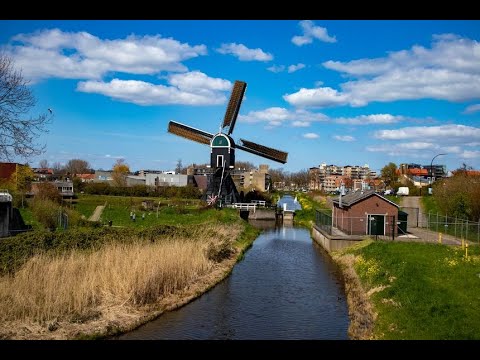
(58, 168)
(47, 191)
(179, 167)
(24, 177)
(17, 132)
(43, 164)
(389, 174)
(120, 172)
(77, 166)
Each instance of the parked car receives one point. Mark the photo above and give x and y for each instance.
(403, 191)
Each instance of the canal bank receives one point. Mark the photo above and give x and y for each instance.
(286, 287)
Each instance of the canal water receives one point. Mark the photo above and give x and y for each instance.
(286, 287)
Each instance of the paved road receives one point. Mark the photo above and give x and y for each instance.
(97, 213)
(421, 233)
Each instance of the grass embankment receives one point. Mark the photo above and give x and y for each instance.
(417, 290)
(97, 282)
(309, 203)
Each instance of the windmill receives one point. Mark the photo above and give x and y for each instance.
(222, 149)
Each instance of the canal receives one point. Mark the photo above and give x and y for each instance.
(286, 287)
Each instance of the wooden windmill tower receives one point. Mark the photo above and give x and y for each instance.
(222, 149)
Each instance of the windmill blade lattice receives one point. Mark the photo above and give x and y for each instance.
(234, 105)
(190, 133)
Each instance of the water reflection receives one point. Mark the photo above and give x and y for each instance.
(285, 288)
(291, 202)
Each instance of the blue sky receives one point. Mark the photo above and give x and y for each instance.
(341, 92)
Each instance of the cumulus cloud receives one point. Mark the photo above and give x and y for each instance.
(423, 141)
(310, 136)
(448, 70)
(81, 55)
(467, 154)
(311, 32)
(472, 109)
(193, 88)
(372, 119)
(292, 68)
(276, 68)
(276, 116)
(346, 138)
(452, 132)
(320, 97)
(243, 53)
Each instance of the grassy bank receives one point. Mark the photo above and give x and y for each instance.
(97, 282)
(416, 290)
(306, 216)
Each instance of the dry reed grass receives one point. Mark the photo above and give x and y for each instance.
(80, 286)
(361, 313)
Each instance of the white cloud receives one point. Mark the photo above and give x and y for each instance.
(275, 116)
(470, 154)
(310, 32)
(370, 119)
(81, 55)
(310, 136)
(320, 97)
(298, 123)
(245, 54)
(451, 133)
(197, 81)
(425, 141)
(346, 138)
(276, 68)
(448, 70)
(472, 109)
(416, 145)
(145, 93)
(292, 68)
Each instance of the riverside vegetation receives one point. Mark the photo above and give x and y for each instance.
(409, 290)
(100, 281)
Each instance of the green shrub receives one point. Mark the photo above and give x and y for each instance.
(46, 212)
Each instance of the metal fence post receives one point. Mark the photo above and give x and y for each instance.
(466, 232)
(455, 226)
(437, 221)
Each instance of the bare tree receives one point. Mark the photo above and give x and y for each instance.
(43, 164)
(18, 133)
(179, 167)
(57, 168)
(77, 166)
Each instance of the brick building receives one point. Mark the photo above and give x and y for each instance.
(365, 213)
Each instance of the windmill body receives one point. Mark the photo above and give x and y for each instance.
(222, 150)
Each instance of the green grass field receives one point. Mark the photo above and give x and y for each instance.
(118, 208)
(431, 291)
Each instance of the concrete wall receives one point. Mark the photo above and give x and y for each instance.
(5, 209)
(333, 243)
(262, 214)
(167, 179)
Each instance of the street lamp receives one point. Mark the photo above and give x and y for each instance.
(431, 169)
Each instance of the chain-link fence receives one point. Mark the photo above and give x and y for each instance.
(378, 226)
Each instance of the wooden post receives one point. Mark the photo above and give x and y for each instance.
(439, 237)
(466, 251)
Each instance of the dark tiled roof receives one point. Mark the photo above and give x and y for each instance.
(353, 198)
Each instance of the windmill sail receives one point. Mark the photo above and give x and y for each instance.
(190, 133)
(264, 151)
(234, 105)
